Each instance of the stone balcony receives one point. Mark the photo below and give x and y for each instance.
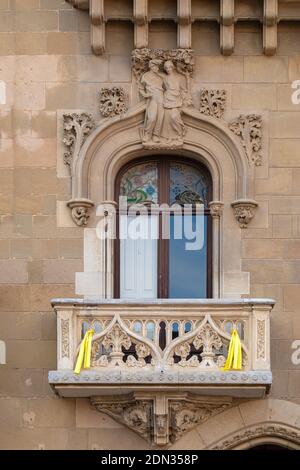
(151, 358)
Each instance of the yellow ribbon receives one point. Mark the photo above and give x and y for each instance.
(84, 355)
(234, 357)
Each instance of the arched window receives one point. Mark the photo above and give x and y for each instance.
(170, 254)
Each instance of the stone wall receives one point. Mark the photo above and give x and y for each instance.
(47, 66)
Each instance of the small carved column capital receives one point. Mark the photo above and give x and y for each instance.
(80, 210)
(106, 208)
(216, 209)
(244, 210)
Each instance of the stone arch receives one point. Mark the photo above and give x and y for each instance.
(257, 422)
(117, 140)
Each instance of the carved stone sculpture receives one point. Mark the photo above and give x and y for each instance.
(249, 129)
(216, 209)
(213, 102)
(244, 210)
(77, 126)
(113, 101)
(151, 88)
(80, 210)
(164, 81)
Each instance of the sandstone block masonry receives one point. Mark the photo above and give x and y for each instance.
(48, 67)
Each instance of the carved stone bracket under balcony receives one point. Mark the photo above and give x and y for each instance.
(147, 358)
(160, 417)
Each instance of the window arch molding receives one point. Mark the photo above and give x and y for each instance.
(117, 141)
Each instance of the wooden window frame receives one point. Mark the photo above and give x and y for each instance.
(163, 165)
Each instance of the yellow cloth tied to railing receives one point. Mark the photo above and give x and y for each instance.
(84, 355)
(234, 357)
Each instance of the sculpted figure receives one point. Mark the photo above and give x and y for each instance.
(151, 88)
(175, 93)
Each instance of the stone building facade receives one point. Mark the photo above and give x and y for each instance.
(75, 111)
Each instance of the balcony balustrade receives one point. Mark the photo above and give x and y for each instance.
(152, 357)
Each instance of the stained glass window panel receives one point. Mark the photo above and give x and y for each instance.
(140, 183)
(188, 184)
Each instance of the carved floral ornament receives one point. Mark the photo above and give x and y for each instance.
(77, 126)
(113, 101)
(249, 129)
(213, 102)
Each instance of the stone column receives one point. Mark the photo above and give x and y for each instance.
(216, 210)
(96, 281)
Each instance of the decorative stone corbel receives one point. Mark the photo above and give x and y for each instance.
(216, 209)
(227, 26)
(184, 18)
(140, 14)
(80, 210)
(244, 210)
(160, 417)
(270, 26)
(97, 26)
